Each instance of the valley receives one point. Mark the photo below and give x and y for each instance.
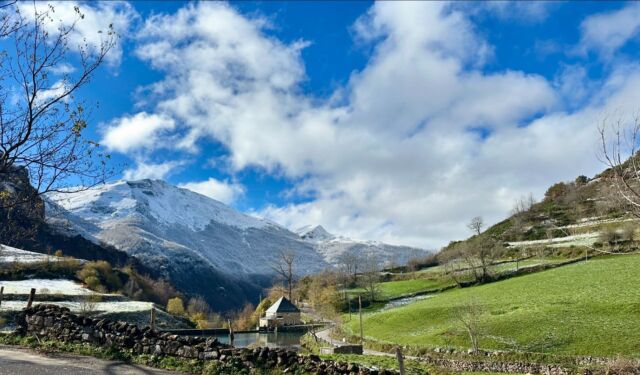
(320, 187)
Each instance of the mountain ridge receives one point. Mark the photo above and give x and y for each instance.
(188, 237)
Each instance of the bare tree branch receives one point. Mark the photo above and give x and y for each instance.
(42, 123)
(284, 268)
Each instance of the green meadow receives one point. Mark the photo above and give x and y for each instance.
(588, 308)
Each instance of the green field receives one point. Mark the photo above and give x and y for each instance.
(434, 278)
(583, 309)
(394, 289)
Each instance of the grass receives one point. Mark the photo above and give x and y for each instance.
(434, 279)
(579, 309)
(395, 289)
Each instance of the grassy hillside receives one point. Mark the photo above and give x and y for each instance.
(583, 309)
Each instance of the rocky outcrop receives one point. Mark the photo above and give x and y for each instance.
(58, 323)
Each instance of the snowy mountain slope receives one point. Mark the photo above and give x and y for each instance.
(332, 247)
(201, 245)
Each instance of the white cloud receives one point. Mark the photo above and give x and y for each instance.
(152, 171)
(423, 139)
(223, 191)
(606, 33)
(141, 130)
(93, 27)
(524, 11)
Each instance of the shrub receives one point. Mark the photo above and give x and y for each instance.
(556, 191)
(89, 303)
(621, 365)
(100, 276)
(58, 253)
(175, 306)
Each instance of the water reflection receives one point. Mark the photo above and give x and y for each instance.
(271, 339)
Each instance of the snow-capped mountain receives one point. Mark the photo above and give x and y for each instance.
(201, 245)
(333, 248)
(314, 234)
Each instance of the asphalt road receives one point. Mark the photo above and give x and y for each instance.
(14, 361)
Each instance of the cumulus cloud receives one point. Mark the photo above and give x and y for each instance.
(141, 130)
(156, 171)
(423, 138)
(91, 29)
(223, 191)
(606, 33)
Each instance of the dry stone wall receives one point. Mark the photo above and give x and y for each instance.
(58, 323)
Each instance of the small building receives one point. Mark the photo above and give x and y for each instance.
(280, 314)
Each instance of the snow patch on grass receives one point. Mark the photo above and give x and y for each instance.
(51, 286)
(10, 254)
(576, 240)
(100, 307)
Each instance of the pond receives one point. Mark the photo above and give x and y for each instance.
(270, 339)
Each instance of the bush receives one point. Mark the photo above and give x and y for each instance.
(100, 276)
(621, 365)
(556, 191)
(175, 306)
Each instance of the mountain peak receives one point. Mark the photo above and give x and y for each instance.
(156, 199)
(314, 233)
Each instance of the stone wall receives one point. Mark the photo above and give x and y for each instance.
(58, 323)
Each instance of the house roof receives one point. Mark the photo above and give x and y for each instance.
(283, 305)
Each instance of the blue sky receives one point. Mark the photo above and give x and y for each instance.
(389, 121)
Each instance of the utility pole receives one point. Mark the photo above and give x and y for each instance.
(1, 294)
(360, 309)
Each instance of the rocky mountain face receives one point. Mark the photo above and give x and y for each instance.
(201, 245)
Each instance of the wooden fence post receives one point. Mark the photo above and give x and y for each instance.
(231, 335)
(400, 358)
(32, 294)
(152, 324)
(1, 294)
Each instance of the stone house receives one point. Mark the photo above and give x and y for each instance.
(281, 313)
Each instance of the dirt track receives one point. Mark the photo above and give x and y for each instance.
(16, 361)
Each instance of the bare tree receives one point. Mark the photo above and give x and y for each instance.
(371, 276)
(350, 262)
(42, 123)
(284, 268)
(468, 316)
(523, 204)
(476, 224)
(619, 141)
(480, 254)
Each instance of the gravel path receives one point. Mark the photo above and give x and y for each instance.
(18, 361)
